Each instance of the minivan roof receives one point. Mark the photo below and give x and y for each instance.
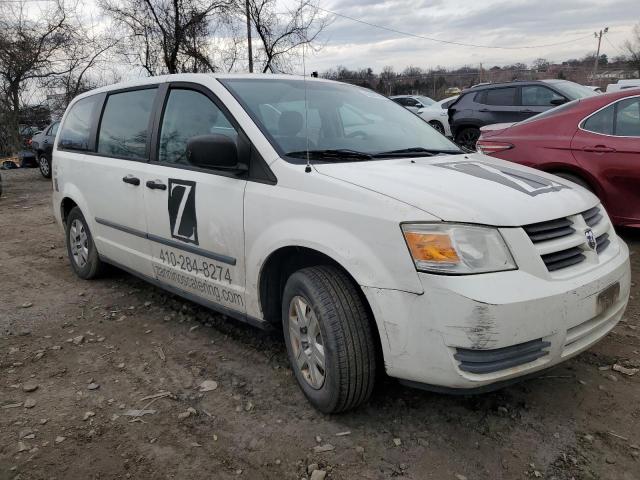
(195, 77)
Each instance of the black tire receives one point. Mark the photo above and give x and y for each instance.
(44, 164)
(467, 137)
(437, 125)
(348, 342)
(93, 266)
(574, 179)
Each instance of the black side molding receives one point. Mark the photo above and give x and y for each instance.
(170, 243)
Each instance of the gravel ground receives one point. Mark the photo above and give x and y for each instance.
(77, 357)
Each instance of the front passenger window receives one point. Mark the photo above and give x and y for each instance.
(535, 95)
(189, 114)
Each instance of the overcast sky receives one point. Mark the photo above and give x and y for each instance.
(498, 23)
(486, 22)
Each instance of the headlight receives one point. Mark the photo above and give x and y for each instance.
(457, 249)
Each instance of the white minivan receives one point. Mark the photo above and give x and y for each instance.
(335, 214)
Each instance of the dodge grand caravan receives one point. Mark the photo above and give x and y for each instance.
(335, 214)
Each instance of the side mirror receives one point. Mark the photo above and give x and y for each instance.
(419, 105)
(558, 101)
(217, 152)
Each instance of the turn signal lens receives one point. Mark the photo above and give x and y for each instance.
(431, 247)
(457, 249)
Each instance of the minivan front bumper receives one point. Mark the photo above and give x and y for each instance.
(469, 332)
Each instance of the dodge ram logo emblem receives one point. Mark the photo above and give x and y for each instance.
(591, 239)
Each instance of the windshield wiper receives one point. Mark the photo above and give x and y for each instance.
(414, 152)
(331, 154)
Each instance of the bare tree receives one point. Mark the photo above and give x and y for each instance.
(168, 36)
(633, 47)
(30, 51)
(282, 33)
(540, 64)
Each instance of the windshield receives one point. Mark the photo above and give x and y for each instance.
(337, 117)
(574, 90)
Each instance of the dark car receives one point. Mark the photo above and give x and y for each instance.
(42, 145)
(594, 142)
(487, 104)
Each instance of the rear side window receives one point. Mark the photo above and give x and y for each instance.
(125, 123)
(189, 114)
(76, 130)
(601, 122)
(500, 96)
(628, 118)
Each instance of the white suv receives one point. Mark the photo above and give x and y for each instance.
(335, 214)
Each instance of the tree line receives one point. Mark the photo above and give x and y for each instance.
(441, 82)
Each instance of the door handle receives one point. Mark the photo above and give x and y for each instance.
(484, 110)
(599, 149)
(131, 180)
(526, 111)
(46, 141)
(156, 185)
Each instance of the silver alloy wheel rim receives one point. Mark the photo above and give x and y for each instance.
(306, 342)
(79, 242)
(44, 165)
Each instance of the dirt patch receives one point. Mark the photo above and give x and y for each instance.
(95, 350)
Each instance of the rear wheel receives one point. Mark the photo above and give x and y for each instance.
(81, 250)
(329, 339)
(437, 125)
(467, 137)
(574, 179)
(45, 166)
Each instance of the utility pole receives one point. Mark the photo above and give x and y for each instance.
(249, 36)
(598, 35)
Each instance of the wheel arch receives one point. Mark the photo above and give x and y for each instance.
(66, 205)
(283, 262)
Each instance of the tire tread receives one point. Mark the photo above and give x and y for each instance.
(348, 319)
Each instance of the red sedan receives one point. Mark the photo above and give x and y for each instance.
(594, 142)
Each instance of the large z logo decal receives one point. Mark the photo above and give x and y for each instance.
(182, 210)
(524, 182)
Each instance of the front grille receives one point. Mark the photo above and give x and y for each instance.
(592, 216)
(539, 232)
(561, 242)
(563, 258)
(488, 361)
(603, 242)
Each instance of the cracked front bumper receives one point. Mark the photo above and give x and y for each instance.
(422, 335)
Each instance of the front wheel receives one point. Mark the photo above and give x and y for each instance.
(45, 166)
(467, 137)
(81, 250)
(329, 338)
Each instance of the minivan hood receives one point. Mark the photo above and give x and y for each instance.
(471, 188)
